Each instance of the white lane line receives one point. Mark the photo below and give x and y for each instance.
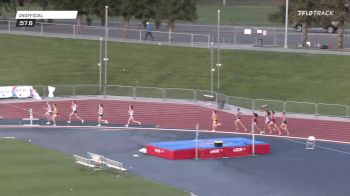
(7, 138)
(169, 129)
(318, 146)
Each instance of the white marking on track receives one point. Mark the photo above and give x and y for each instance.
(318, 146)
(169, 129)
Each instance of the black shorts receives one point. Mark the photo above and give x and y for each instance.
(75, 112)
(285, 122)
(100, 115)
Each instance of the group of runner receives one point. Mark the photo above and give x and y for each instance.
(270, 122)
(52, 114)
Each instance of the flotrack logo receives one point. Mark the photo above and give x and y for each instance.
(315, 13)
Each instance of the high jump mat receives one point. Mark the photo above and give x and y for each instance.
(207, 148)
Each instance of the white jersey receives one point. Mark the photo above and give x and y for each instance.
(49, 109)
(131, 112)
(100, 111)
(267, 119)
(74, 107)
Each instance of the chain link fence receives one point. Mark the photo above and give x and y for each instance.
(230, 36)
(294, 107)
(195, 95)
(95, 32)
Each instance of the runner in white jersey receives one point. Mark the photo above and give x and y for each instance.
(238, 120)
(131, 116)
(74, 113)
(267, 121)
(100, 114)
(48, 112)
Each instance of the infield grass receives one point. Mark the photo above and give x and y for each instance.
(29, 170)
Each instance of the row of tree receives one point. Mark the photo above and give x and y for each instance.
(340, 9)
(143, 10)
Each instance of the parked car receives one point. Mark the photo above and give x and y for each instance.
(331, 27)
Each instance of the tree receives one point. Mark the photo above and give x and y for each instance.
(173, 10)
(8, 6)
(341, 14)
(127, 10)
(97, 8)
(43, 4)
(82, 6)
(145, 10)
(25, 3)
(294, 17)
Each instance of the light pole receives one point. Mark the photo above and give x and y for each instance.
(219, 66)
(218, 37)
(218, 62)
(286, 26)
(212, 69)
(99, 64)
(105, 59)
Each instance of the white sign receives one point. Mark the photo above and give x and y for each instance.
(259, 31)
(264, 32)
(7, 92)
(51, 91)
(247, 31)
(22, 91)
(35, 94)
(46, 14)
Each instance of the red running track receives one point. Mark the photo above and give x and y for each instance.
(172, 115)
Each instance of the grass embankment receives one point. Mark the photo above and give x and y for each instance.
(237, 14)
(270, 75)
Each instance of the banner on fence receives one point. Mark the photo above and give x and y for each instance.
(7, 92)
